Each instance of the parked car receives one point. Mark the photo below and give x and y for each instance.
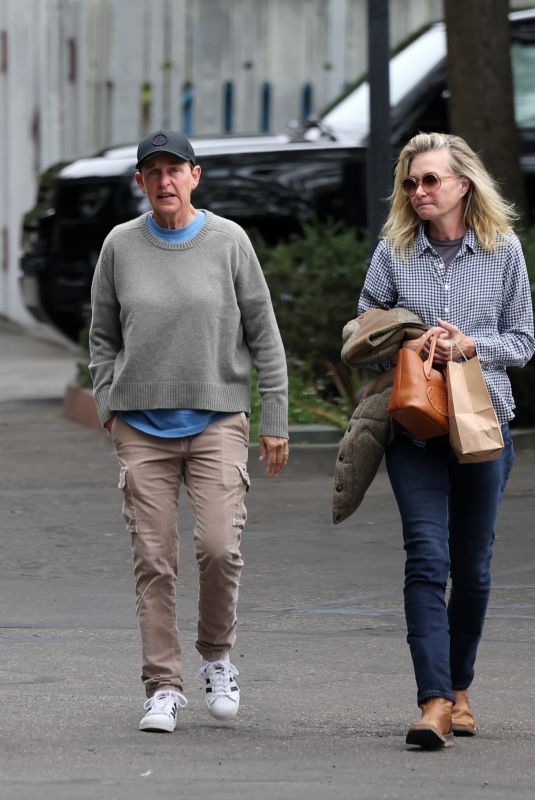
(272, 184)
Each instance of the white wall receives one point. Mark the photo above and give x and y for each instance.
(48, 112)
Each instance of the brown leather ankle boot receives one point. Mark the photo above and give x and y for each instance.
(434, 728)
(462, 716)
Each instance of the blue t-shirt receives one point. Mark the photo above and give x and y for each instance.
(173, 422)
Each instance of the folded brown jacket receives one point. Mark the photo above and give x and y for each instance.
(370, 339)
(377, 334)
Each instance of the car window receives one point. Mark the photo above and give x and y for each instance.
(523, 63)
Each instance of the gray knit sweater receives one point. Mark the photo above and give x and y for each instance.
(181, 325)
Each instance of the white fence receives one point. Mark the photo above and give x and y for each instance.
(78, 75)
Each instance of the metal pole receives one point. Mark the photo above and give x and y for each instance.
(379, 157)
(167, 67)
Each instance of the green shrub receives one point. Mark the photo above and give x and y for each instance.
(315, 280)
(523, 385)
(523, 380)
(528, 245)
(304, 405)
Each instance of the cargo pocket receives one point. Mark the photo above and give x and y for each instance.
(129, 508)
(243, 484)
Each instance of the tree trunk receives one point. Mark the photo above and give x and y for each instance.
(481, 89)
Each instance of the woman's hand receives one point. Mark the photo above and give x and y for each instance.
(413, 344)
(109, 423)
(453, 344)
(276, 449)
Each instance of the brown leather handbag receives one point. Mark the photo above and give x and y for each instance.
(419, 400)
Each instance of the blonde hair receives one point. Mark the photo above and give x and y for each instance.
(486, 212)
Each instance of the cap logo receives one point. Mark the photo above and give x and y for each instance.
(160, 139)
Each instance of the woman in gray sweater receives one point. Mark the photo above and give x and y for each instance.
(180, 315)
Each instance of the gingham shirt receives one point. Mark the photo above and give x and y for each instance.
(486, 294)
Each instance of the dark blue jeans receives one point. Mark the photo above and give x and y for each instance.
(448, 511)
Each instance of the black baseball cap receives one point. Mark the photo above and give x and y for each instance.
(172, 142)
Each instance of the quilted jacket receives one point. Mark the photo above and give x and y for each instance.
(368, 340)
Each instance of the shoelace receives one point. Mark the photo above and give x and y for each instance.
(162, 702)
(219, 673)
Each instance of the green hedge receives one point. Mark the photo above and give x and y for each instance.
(315, 280)
(523, 380)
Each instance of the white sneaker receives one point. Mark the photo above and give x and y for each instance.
(162, 709)
(222, 691)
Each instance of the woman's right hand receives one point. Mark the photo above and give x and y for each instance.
(109, 423)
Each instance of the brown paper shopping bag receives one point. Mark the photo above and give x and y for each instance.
(475, 433)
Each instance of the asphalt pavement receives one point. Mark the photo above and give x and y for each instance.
(325, 674)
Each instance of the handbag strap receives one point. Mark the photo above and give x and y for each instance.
(455, 342)
(428, 363)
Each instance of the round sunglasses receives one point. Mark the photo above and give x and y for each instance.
(430, 182)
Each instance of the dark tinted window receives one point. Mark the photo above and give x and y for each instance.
(523, 62)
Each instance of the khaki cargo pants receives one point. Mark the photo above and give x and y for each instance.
(213, 467)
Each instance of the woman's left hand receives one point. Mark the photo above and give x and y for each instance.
(276, 449)
(453, 344)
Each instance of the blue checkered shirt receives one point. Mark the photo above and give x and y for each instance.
(486, 294)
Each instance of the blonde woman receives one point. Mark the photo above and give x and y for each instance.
(449, 254)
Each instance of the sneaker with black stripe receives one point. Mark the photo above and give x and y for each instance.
(222, 691)
(162, 710)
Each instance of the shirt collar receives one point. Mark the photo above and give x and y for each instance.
(422, 243)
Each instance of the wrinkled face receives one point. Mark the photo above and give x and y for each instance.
(446, 204)
(168, 183)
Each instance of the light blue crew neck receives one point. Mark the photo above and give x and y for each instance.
(177, 235)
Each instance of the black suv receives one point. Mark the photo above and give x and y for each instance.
(269, 183)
